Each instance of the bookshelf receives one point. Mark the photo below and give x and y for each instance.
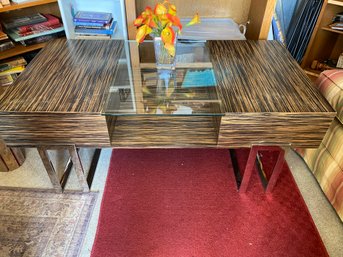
(14, 10)
(14, 6)
(20, 49)
(333, 30)
(116, 7)
(325, 42)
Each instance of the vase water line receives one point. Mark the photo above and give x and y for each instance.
(163, 59)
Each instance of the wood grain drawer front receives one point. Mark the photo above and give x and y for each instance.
(159, 131)
(31, 129)
(247, 129)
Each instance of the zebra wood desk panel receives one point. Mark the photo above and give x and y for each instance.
(58, 98)
(265, 98)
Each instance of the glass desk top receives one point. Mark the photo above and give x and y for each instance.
(141, 89)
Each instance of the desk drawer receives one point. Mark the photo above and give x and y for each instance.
(296, 129)
(32, 129)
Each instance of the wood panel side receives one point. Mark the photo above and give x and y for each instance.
(130, 7)
(297, 130)
(31, 129)
(260, 17)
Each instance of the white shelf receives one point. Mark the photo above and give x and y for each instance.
(116, 7)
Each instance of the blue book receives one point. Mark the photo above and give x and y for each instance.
(93, 17)
(86, 31)
(199, 78)
(92, 24)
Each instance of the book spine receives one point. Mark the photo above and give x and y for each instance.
(92, 27)
(6, 45)
(25, 20)
(90, 21)
(51, 21)
(94, 31)
(40, 30)
(43, 33)
(98, 31)
(12, 64)
(88, 24)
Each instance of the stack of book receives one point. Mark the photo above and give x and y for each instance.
(34, 28)
(94, 25)
(10, 69)
(5, 42)
(337, 22)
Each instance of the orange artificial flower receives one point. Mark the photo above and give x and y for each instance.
(175, 21)
(160, 9)
(138, 21)
(142, 32)
(165, 21)
(161, 22)
(195, 20)
(172, 9)
(148, 11)
(170, 48)
(168, 35)
(168, 38)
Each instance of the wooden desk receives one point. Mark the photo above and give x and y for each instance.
(58, 99)
(265, 98)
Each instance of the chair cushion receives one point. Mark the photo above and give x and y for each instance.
(328, 174)
(330, 84)
(333, 142)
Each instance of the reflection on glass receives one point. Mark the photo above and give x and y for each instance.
(168, 92)
(190, 89)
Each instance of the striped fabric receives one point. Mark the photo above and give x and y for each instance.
(326, 162)
(330, 84)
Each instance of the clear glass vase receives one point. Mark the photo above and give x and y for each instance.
(163, 59)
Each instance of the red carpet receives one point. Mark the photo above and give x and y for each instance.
(184, 203)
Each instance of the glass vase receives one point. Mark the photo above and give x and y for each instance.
(163, 59)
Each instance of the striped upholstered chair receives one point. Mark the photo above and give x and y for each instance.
(326, 162)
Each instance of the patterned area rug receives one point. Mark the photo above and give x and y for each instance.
(34, 223)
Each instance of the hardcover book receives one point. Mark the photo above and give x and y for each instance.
(6, 80)
(51, 20)
(109, 31)
(11, 63)
(93, 24)
(39, 30)
(6, 44)
(337, 26)
(92, 37)
(17, 69)
(41, 39)
(17, 38)
(24, 20)
(95, 17)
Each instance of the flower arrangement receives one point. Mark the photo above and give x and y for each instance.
(159, 23)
